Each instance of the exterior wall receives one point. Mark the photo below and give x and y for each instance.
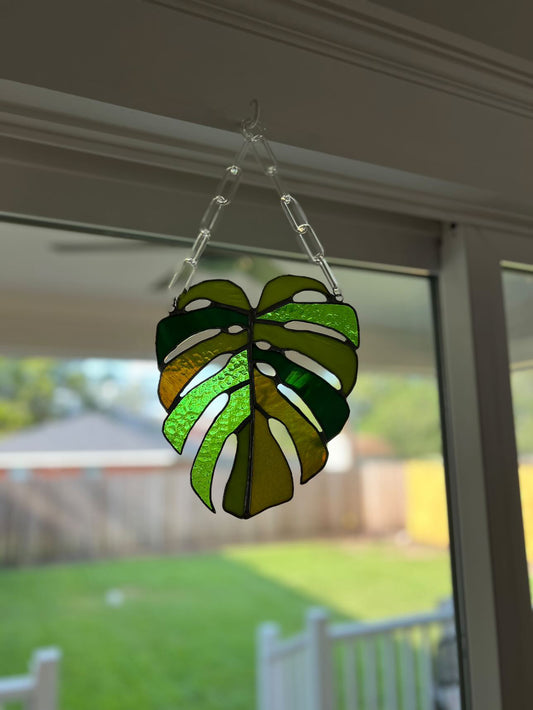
(55, 472)
(78, 471)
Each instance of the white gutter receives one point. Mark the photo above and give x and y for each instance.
(86, 459)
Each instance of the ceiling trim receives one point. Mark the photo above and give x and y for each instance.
(382, 40)
(34, 115)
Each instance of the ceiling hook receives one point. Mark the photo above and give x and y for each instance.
(250, 124)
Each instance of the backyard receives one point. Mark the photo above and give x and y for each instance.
(184, 634)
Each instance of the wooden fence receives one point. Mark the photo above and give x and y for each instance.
(125, 514)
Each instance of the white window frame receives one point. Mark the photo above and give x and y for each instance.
(486, 516)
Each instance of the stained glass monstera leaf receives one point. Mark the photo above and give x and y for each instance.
(288, 360)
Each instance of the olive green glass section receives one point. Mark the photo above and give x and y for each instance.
(311, 450)
(335, 356)
(235, 412)
(327, 404)
(180, 371)
(218, 291)
(286, 287)
(182, 418)
(261, 476)
(271, 482)
(338, 316)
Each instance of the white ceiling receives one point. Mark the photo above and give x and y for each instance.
(57, 300)
(503, 24)
(347, 79)
(201, 73)
(106, 301)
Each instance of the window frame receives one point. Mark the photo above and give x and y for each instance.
(494, 605)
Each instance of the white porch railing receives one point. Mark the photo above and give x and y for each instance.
(385, 665)
(39, 689)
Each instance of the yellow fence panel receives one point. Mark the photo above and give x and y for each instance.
(426, 513)
(526, 494)
(426, 510)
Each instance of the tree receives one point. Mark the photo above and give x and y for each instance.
(403, 410)
(33, 390)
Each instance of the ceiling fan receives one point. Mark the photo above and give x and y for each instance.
(218, 260)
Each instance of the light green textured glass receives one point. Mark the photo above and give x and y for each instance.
(235, 412)
(182, 418)
(331, 315)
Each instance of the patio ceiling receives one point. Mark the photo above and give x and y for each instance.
(69, 294)
(61, 294)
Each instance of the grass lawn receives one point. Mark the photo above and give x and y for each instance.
(184, 637)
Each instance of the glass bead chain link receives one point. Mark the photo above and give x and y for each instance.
(225, 194)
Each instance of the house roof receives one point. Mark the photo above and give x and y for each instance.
(89, 439)
(93, 431)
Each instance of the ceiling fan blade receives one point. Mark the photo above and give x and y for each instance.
(72, 247)
(161, 284)
(222, 266)
(213, 262)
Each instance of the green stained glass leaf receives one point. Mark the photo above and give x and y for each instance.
(260, 380)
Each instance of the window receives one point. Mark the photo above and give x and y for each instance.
(518, 291)
(154, 599)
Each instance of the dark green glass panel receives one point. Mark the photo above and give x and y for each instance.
(176, 328)
(338, 316)
(284, 287)
(218, 291)
(232, 416)
(337, 357)
(327, 404)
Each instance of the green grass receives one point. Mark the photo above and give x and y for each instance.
(184, 637)
(368, 581)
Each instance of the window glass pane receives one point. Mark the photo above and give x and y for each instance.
(518, 291)
(155, 602)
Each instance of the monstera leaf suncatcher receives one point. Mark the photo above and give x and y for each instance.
(289, 360)
(261, 381)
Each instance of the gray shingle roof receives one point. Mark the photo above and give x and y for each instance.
(92, 431)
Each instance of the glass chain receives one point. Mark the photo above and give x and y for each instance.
(225, 194)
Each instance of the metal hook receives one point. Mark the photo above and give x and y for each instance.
(250, 124)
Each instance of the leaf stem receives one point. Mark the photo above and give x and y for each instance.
(248, 492)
